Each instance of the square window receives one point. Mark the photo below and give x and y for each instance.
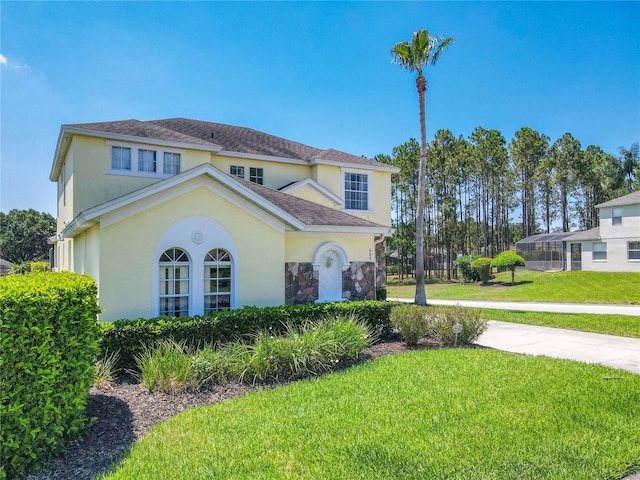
(236, 171)
(146, 161)
(599, 251)
(633, 251)
(356, 191)
(120, 158)
(171, 163)
(256, 175)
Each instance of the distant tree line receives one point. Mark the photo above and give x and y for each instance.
(474, 184)
(24, 235)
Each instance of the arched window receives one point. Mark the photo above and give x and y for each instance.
(174, 283)
(217, 280)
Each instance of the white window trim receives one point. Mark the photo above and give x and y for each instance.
(593, 251)
(633, 260)
(134, 172)
(343, 172)
(614, 216)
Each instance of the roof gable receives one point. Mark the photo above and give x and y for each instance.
(295, 212)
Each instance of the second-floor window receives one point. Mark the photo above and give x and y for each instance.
(120, 158)
(171, 163)
(616, 216)
(236, 171)
(146, 160)
(256, 175)
(356, 191)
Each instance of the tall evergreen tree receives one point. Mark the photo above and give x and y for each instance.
(527, 149)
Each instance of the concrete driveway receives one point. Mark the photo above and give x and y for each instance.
(609, 350)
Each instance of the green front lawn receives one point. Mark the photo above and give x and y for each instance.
(441, 414)
(621, 325)
(533, 286)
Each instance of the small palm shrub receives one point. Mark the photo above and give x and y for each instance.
(442, 320)
(105, 369)
(482, 266)
(167, 367)
(411, 321)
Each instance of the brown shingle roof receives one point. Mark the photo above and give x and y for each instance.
(239, 139)
(230, 138)
(136, 128)
(307, 212)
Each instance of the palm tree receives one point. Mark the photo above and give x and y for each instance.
(414, 56)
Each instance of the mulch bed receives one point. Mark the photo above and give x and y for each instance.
(126, 411)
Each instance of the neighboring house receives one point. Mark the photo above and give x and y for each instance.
(614, 246)
(179, 217)
(5, 267)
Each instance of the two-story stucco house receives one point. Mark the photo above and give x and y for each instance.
(179, 217)
(614, 246)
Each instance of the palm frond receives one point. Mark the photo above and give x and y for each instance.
(441, 47)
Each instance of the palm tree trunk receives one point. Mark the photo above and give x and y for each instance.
(421, 296)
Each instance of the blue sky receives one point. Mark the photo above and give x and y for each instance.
(316, 73)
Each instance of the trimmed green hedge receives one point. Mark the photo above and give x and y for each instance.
(48, 345)
(130, 336)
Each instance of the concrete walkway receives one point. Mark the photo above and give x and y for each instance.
(537, 307)
(609, 350)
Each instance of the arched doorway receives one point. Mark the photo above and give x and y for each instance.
(330, 261)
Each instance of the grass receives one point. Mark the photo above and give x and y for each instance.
(620, 325)
(533, 286)
(437, 414)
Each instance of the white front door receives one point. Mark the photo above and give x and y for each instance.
(330, 277)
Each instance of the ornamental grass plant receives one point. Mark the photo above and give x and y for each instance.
(310, 349)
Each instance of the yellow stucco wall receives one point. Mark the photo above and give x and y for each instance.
(276, 175)
(127, 266)
(89, 159)
(311, 194)
(86, 252)
(301, 247)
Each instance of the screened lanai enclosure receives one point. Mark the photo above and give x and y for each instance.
(544, 251)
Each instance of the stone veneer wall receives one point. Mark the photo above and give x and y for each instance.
(301, 283)
(359, 281)
(381, 265)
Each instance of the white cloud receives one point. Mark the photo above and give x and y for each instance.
(5, 62)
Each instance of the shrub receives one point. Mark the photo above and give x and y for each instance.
(509, 260)
(309, 349)
(463, 264)
(443, 319)
(411, 321)
(482, 267)
(48, 345)
(381, 294)
(130, 336)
